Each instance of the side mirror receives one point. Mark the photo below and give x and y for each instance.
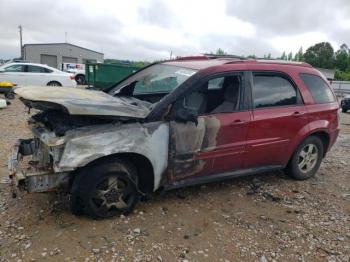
(184, 115)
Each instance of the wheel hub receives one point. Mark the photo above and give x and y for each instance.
(308, 158)
(112, 196)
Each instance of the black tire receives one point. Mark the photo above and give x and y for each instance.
(296, 166)
(105, 190)
(54, 83)
(10, 95)
(344, 110)
(80, 79)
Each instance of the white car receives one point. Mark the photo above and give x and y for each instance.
(30, 74)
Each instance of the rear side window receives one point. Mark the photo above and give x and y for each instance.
(271, 90)
(318, 88)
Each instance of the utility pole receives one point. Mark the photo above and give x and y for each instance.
(20, 40)
(171, 54)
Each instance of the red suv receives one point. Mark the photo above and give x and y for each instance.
(172, 124)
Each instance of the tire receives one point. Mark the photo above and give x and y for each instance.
(54, 83)
(80, 79)
(307, 158)
(105, 190)
(344, 110)
(10, 95)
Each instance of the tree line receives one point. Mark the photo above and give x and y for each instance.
(320, 55)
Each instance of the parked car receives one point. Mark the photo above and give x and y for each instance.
(31, 74)
(345, 103)
(173, 124)
(6, 88)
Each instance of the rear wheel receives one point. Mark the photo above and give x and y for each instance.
(80, 79)
(306, 159)
(105, 190)
(54, 83)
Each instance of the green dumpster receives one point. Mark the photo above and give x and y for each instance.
(103, 76)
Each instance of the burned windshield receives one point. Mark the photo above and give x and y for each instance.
(158, 78)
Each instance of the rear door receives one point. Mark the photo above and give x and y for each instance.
(278, 116)
(37, 75)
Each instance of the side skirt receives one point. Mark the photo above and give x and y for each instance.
(221, 176)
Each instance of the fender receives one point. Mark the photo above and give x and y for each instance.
(149, 139)
(307, 130)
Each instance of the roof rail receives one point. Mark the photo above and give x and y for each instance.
(213, 56)
(285, 62)
(185, 58)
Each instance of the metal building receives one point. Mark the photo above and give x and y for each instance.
(54, 54)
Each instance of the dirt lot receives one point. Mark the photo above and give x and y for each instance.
(262, 218)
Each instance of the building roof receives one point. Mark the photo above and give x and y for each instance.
(63, 44)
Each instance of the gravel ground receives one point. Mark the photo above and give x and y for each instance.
(260, 218)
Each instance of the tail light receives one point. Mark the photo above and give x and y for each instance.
(72, 77)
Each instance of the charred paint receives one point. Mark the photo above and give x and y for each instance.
(190, 147)
(84, 102)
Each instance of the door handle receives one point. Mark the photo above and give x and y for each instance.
(238, 122)
(297, 114)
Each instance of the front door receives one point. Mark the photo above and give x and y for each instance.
(278, 115)
(14, 74)
(216, 143)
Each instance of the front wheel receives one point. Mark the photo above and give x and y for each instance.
(306, 160)
(105, 190)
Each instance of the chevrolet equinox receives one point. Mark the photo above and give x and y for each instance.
(172, 124)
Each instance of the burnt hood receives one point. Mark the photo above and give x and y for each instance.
(83, 102)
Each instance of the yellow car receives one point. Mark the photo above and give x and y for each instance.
(7, 89)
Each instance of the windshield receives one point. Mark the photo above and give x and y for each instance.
(158, 78)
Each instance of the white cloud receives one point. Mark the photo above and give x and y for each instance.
(149, 29)
(294, 42)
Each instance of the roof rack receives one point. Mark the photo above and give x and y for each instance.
(285, 62)
(213, 56)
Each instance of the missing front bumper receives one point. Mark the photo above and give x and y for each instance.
(31, 179)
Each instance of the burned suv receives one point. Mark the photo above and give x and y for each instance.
(172, 124)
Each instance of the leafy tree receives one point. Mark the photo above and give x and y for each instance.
(252, 56)
(220, 52)
(299, 56)
(284, 56)
(343, 76)
(320, 55)
(342, 58)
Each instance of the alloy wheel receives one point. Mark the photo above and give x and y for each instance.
(308, 158)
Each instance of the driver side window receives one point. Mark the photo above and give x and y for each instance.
(218, 95)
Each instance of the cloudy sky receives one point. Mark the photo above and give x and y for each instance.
(150, 29)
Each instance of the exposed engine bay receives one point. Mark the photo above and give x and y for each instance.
(60, 122)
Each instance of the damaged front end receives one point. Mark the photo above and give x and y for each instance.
(69, 133)
(32, 163)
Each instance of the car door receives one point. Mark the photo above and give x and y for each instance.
(278, 115)
(36, 75)
(215, 143)
(13, 73)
